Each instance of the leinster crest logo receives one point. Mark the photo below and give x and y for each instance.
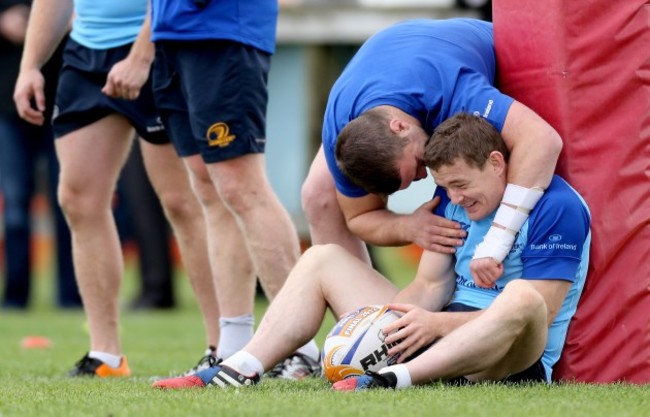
(219, 135)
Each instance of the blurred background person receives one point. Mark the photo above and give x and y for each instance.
(22, 147)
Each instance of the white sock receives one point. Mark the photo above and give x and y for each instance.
(245, 363)
(402, 374)
(236, 332)
(311, 350)
(109, 359)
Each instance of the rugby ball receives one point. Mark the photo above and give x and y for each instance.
(357, 343)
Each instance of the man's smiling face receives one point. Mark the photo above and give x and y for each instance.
(477, 190)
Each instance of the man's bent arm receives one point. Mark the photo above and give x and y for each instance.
(433, 285)
(369, 219)
(534, 147)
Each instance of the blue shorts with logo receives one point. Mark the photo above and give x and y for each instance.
(80, 101)
(212, 96)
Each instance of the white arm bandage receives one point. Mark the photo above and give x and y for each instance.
(512, 214)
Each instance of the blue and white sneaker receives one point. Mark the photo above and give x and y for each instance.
(371, 380)
(220, 376)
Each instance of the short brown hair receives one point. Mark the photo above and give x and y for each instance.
(465, 136)
(367, 152)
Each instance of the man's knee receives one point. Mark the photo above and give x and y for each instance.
(180, 205)
(78, 204)
(316, 259)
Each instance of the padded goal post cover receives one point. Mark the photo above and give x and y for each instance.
(584, 66)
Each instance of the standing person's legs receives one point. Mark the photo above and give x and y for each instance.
(267, 228)
(17, 186)
(233, 271)
(170, 180)
(326, 221)
(91, 159)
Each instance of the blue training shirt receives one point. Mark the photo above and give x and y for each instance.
(250, 22)
(430, 69)
(552, 244)
(103, 24)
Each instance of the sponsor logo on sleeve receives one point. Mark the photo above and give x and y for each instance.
(554, 243)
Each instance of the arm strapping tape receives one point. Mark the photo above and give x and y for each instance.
(510, 218)
(498, 240)
(521, 197)
(496, 244)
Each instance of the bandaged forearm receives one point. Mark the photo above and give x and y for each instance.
(513, 212)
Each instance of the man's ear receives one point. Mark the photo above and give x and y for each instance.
(498, 162)
(398, 126)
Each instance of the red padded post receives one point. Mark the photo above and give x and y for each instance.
(585, 67)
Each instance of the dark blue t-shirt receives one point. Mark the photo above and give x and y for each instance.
(430, 69)
(250, 22)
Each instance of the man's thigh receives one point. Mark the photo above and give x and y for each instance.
(347, 283)
(521, 351)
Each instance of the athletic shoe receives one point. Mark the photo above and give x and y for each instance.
(208, 361)
(370, 380)
(295, 367)
(220, 376)
(88, 366)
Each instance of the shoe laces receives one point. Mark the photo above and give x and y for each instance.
(296, 366)
(208, 361)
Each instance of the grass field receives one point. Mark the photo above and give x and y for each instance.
(33, 382)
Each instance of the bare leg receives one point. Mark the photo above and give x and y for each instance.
(506, 339)
(271, 238)
(325, 276)
(91, 159)
(171, 182)
(326, 221)
(233, 272)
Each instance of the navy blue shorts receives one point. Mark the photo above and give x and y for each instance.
(212, 96)
(80, 101)
(535, 373)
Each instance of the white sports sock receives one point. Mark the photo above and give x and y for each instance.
(236, 332)
(245, 363)
(402, 374)
(108, 358)
(311, 350)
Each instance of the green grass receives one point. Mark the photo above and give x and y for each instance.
(33, 382)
